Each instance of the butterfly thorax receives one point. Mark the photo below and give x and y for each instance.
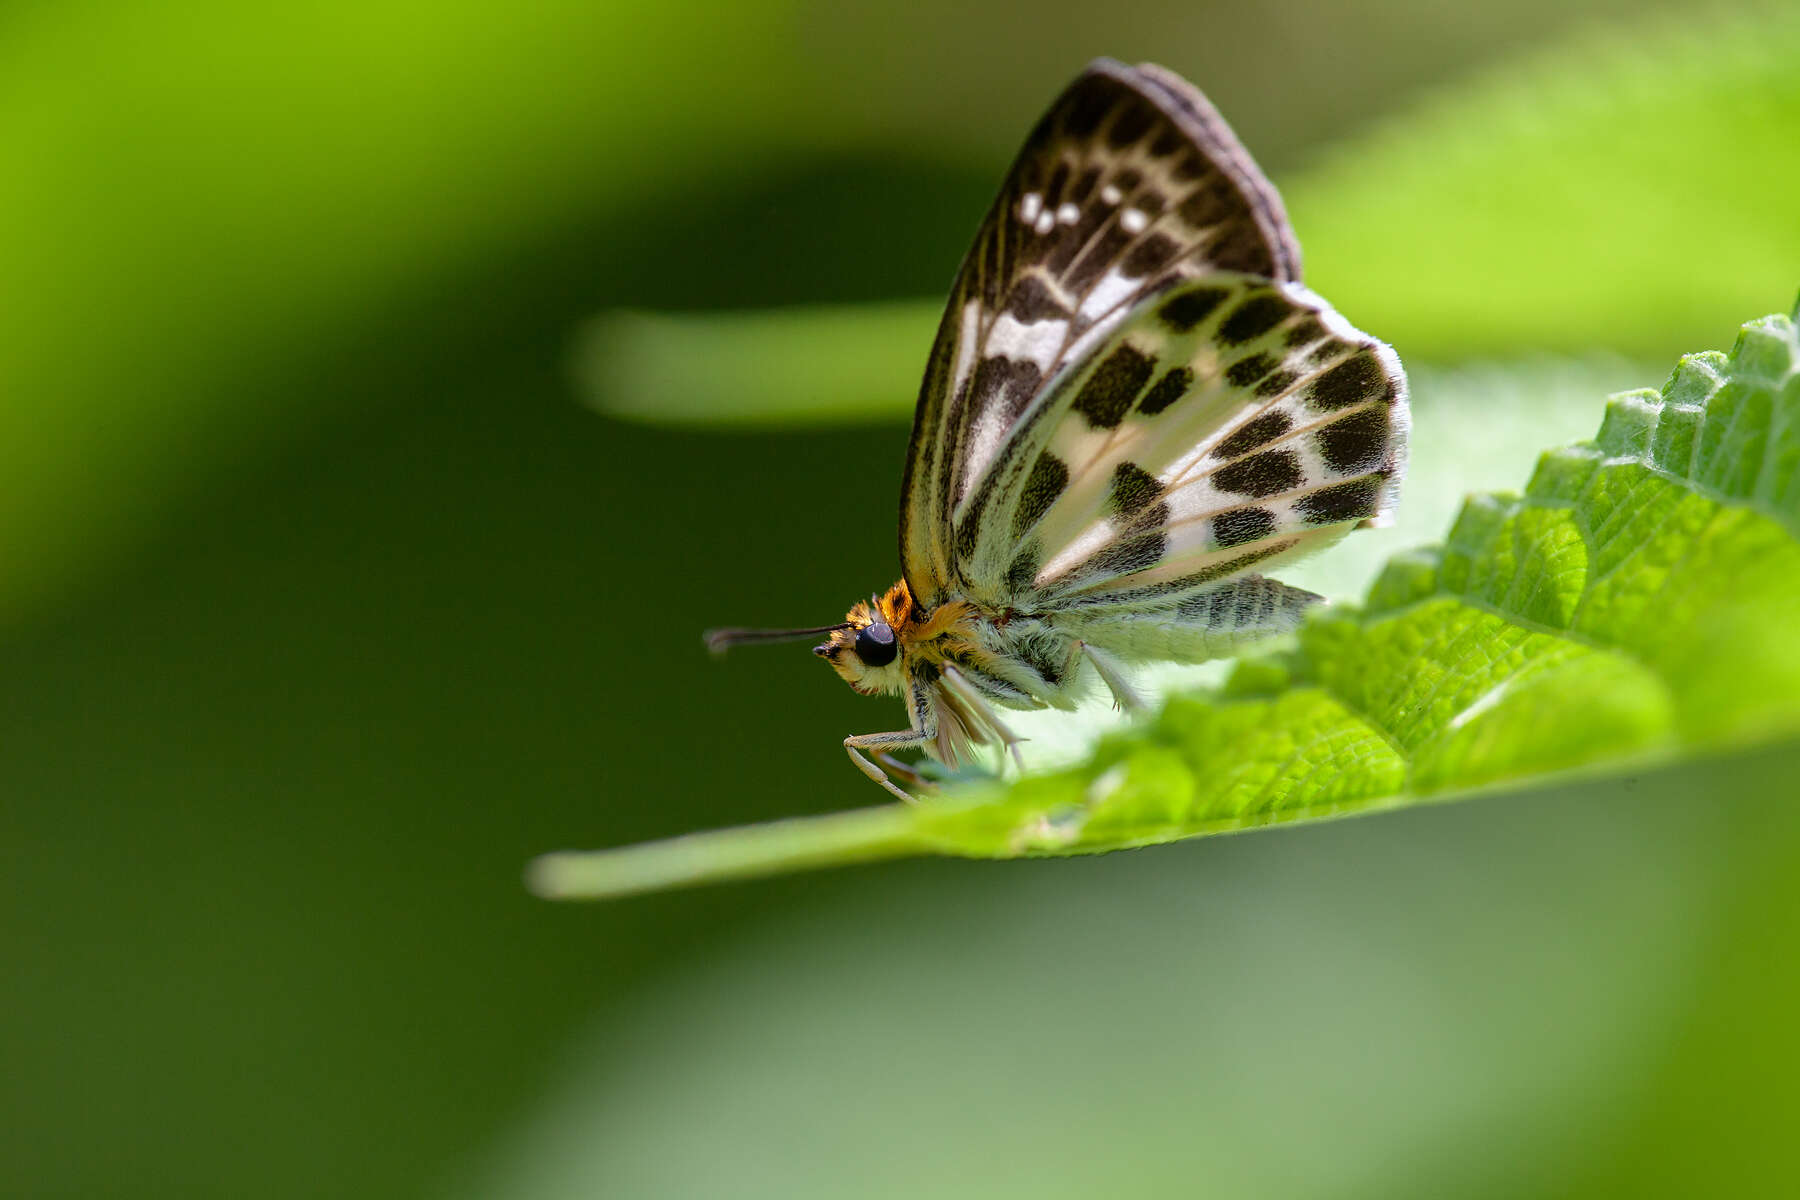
(887, 637)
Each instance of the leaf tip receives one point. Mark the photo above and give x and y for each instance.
(720, 855)
(550, 876)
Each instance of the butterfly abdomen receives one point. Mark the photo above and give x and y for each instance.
(1204, 625)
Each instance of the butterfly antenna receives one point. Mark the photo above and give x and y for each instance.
(720, 640)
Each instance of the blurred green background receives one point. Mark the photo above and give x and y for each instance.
(325, 604)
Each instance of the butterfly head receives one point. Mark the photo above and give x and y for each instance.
(870, 648)
(866, 649)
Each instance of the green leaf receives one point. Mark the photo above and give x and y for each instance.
(201, 202)
(1636, 603)
(1550, 203)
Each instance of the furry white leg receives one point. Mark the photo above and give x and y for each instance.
(1112, 671)
(973, 701)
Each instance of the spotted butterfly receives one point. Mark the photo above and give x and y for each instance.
(1132, 401)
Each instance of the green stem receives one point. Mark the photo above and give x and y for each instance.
(860, 835)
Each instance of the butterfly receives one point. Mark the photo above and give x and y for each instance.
(1132, 408)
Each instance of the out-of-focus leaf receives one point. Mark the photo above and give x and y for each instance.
(191, 194)
(801, 366)
(1627, 190)
(1636, 603)
(1549, 206)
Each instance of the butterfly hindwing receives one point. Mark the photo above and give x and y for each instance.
(1130, 185)
(1223, 424)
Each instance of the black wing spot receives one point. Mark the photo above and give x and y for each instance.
(1342, 502)
(1246, 371)
(1233, 566)
(1189, 167)
(1261, 475)
(1242, 525)
(1170, 388)
(1307, 331)
(1021, 387)
(1350, 382)
(1094, 99)
(1258, 431)
(1154, 517)
(1239, 246)
(1149, 256)
(1133, 490)
(1098, 258)
(1138, 553)
(1022, 573)
(1107, 395)
(1253, 318)
(968, 530)
(1187, 310)
(1131, 125)
(1032, 300)
(991, 375)
(1358, 442)
(1084, 185)
(1049, 476)
(1279, 382)
(1206, 206)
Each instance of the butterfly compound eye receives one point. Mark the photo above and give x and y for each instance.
(875, 645)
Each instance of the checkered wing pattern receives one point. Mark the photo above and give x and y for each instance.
(1130, 395)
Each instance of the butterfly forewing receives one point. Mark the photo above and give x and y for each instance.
(1129, 186)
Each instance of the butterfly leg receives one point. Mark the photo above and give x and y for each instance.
(1112, 671)
(904, 739)
(904, 772)
(972, 699)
